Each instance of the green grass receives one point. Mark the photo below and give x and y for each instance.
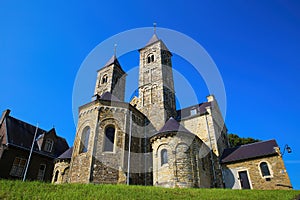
(38, 190)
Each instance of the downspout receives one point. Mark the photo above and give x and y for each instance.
(124, 139)
(211, 153)
(129, 148)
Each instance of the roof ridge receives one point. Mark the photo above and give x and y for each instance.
(263, 141)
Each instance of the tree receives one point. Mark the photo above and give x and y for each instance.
(235, 140)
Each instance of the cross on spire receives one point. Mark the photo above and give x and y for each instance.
(154, 27)
(115, 50)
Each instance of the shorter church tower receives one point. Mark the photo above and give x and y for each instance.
(111, 78)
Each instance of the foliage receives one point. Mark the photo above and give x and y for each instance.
(235, 140)
(37, 190)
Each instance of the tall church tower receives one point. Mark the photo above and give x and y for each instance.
(156, 85)
(111, 78)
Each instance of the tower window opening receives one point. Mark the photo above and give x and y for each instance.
(104, 79)
(150, 58)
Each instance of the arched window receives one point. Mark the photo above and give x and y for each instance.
(264, 168)
(56, 176)
(150, 58)
(48, 145)
(104, 79)
(85, 139)
(164, 156)
(109, 139)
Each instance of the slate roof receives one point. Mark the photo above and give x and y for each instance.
(109, 97)
(249, 151)
(67, 154)
(112, 60)
(186, 112)
(153, 39)
(20, 134)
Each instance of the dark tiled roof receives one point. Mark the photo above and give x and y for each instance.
(21, 134)
(186, 112)
(67, 154)
(249, 151)
(108, 97)
(171, 126)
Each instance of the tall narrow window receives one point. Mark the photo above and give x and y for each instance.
(18, 167)
(152, 58)
(41, 172)
(264, 168)
(164, 156)
(109, 138)
(48, 145)
(85, 139)
(56, 176)
(104, 79)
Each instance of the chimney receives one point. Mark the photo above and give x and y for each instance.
(210, 98)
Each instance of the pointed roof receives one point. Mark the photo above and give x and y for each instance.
(153, 39)
(173, 126)
(112, 60)
(248, 151)
(108, 97)
(67, 154)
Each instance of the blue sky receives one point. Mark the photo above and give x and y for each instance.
(255, 45)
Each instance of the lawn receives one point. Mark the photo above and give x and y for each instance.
(38, 190)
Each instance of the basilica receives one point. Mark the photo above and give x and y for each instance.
(148, 141)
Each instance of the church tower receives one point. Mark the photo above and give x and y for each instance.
(111, 78)
(156, 85)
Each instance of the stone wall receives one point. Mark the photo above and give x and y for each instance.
(61, 171)
(100, 166)
(188, 161)
(278, 180)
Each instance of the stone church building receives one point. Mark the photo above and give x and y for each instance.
(147, 141)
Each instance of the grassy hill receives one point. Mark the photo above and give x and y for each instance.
(38, 190)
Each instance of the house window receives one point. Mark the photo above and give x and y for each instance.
(264, 168)
(164, 156)
(104, 79)
(109, 138)
(41, 172)
(194, 111)
(85, 139)
(48, 145)
(18, 167)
